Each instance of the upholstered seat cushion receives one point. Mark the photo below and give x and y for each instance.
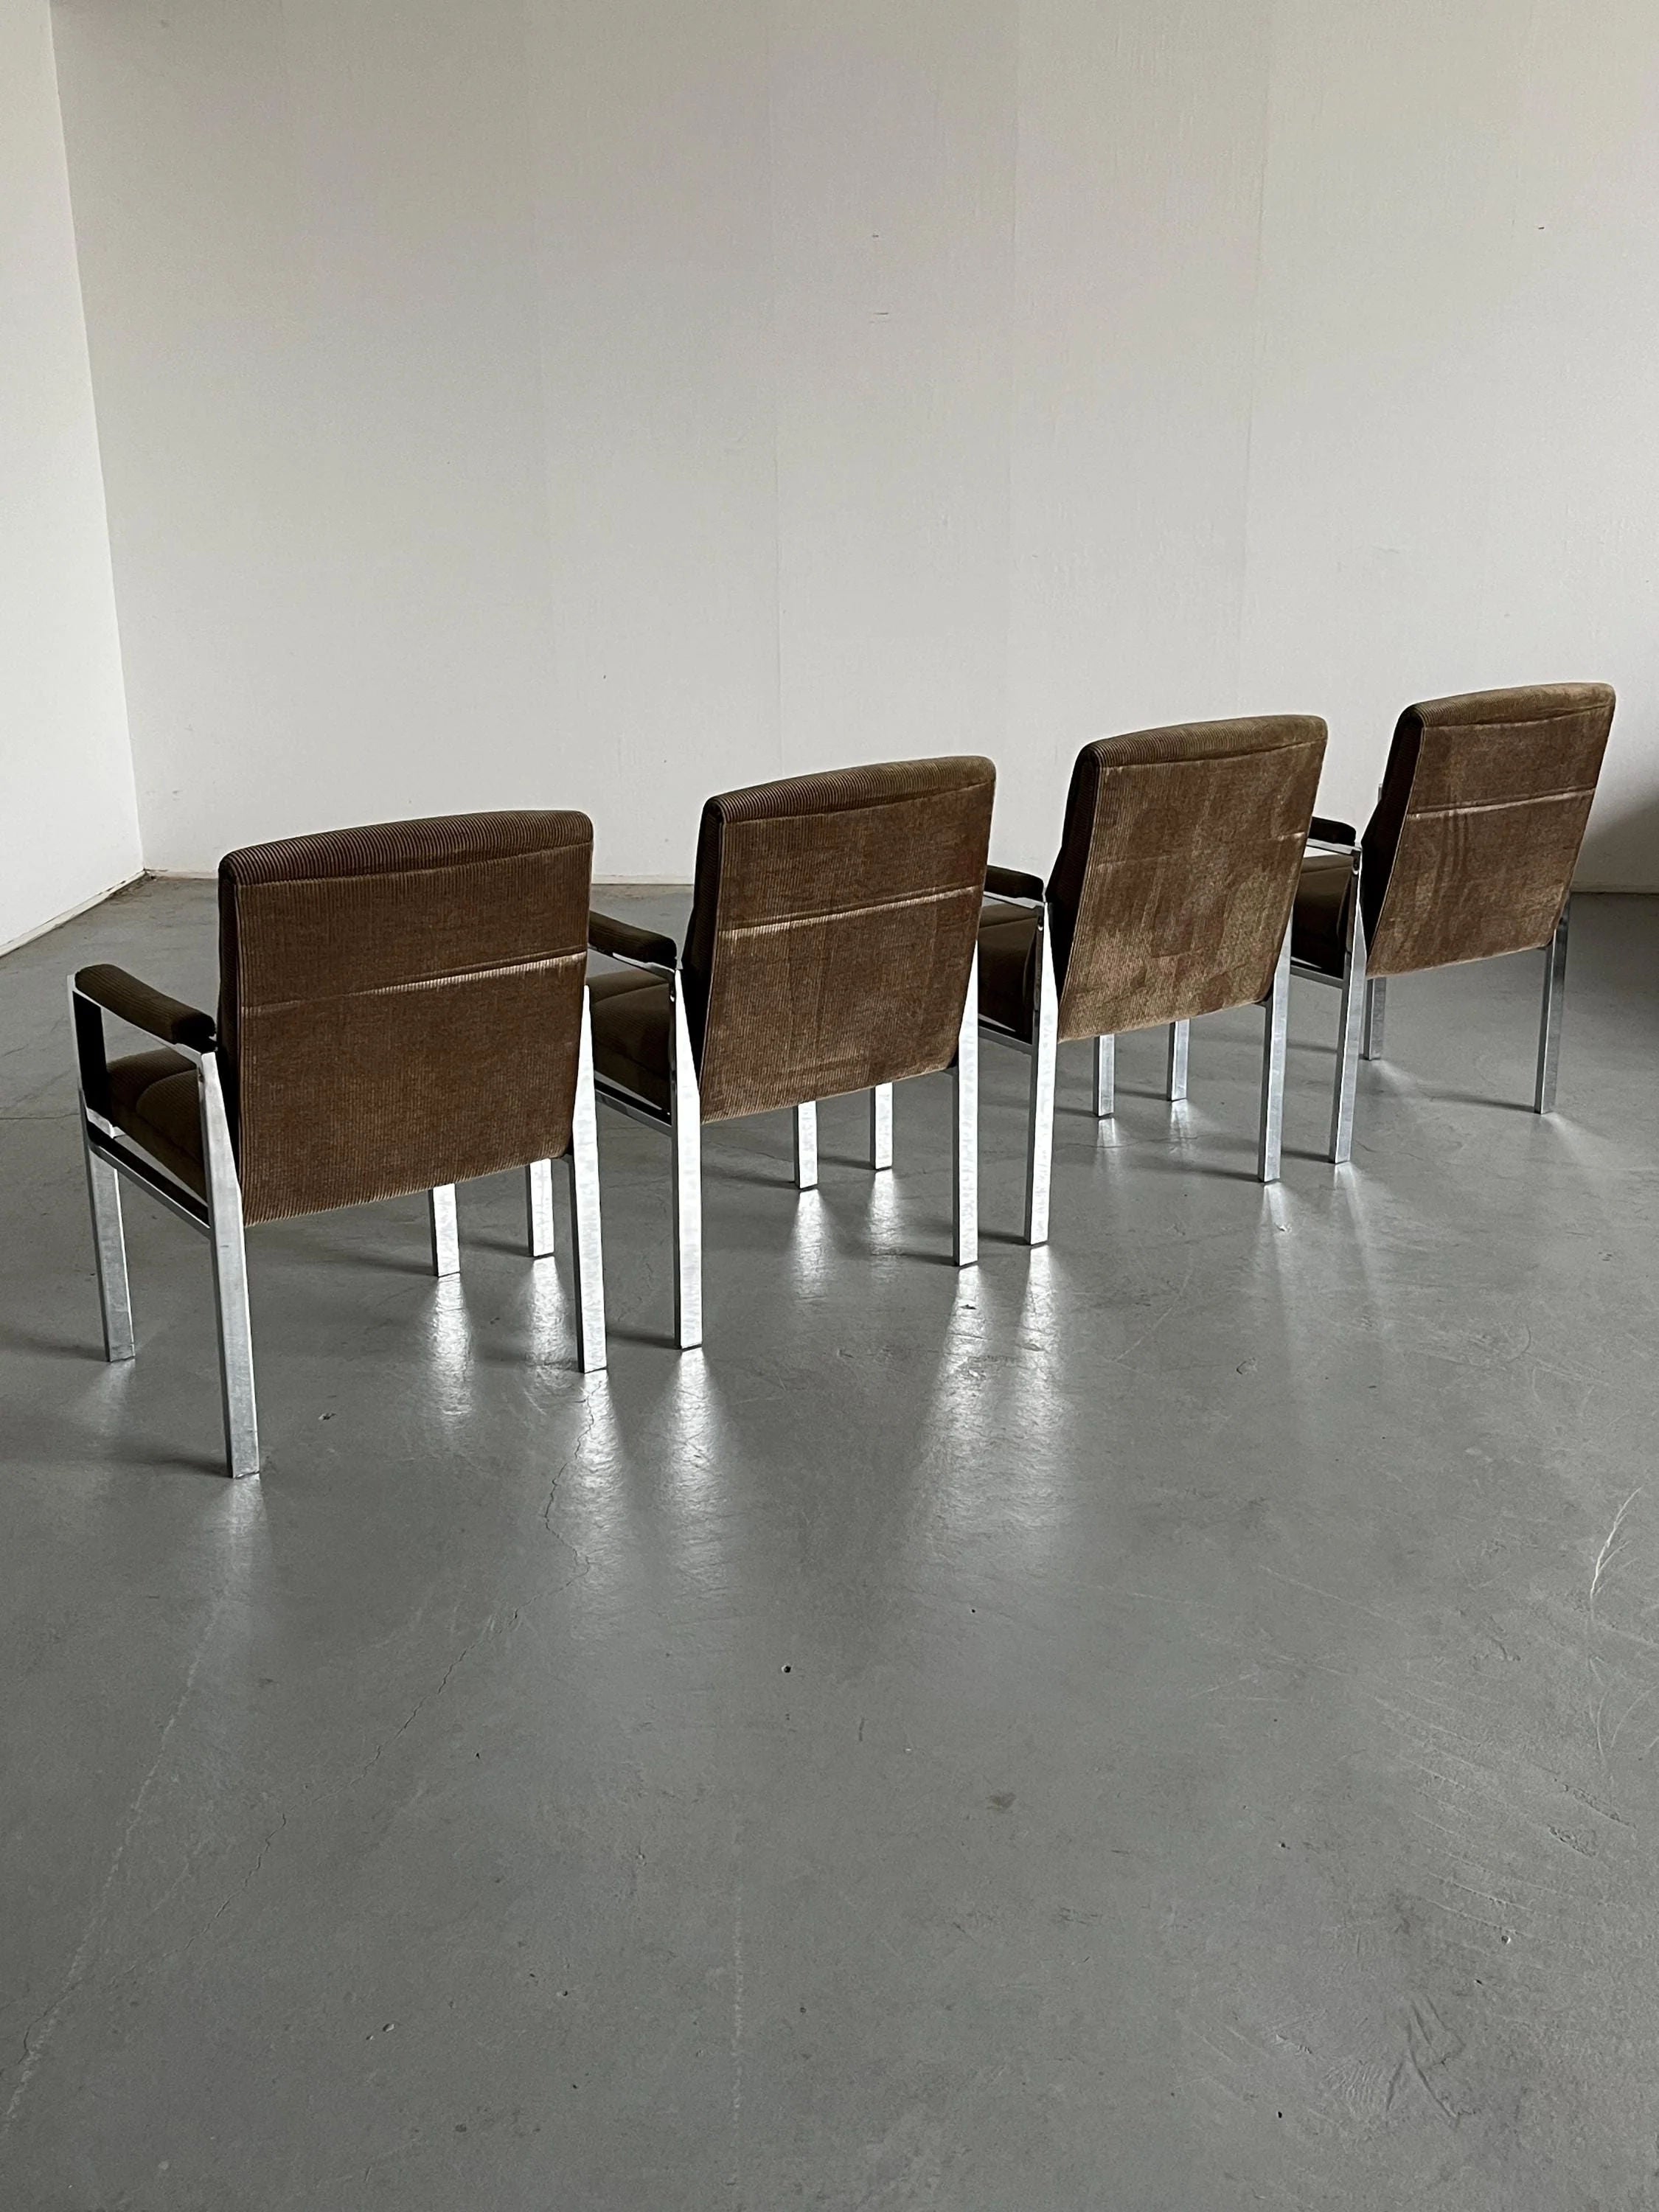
(153, 1097)
(1319, 930)
(1007, 935)
(631, 1014)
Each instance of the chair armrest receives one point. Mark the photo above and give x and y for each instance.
(146, 1008)
(1012, 883)
(640, 948)
(1322, 831)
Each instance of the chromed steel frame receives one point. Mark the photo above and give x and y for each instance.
(881, 1127)
(1276, 1012)
(1042, 1049)
(110, 1155)
(1364, 1010)
(1550, 1008)
(683, 1123)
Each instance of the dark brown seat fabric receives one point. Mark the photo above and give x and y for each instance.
(631, 1016)
(1471, 847)
(152, 1096)
(400, 1008)
(1172, 891)
(1007, 943)
(831, 934)
(1318, 934)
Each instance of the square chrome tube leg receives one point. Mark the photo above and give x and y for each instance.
(1549, 1019)
(1277, 1012)
(964, 1130)
(110, 1246)
(1350, 1023)
(229, 1246)
(587, 1244)
(685, 1136)
(1105, 1078)
(1376, 1007)
(881, 1126)
(806, 1147)
(1040, 1125)
(445, 1237)
(1180, 1035)
(539, 1207)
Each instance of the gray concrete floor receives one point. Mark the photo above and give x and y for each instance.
(1167, 1723)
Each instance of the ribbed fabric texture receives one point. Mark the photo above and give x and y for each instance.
(400, 1003)
(1480, 820)
(1177, 867)
(832, 929)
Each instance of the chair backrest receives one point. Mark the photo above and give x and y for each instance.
(400, 1005)
(1478, 826)
(833, 927)
(1178, 868)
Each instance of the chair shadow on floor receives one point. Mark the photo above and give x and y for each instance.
(56, 1440)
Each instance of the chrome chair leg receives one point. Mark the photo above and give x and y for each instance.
(539, 1207)
(1180, 1034)
(1040, 1121)
(103, 1184)
(685, 1136)
(1105, 1078)
(1549, 1017)
(445, 1238)
(1376, 1007)
(1349, 1022)
(110, 1247)
(229, 1246)
(806, 1147)
(881, 1126)
(964, 1129)
(1276, 1014)
(586, 1242)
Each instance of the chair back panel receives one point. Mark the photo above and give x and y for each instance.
(1178, 869)
(833, 927)
(400, 1004)
(1478, 826)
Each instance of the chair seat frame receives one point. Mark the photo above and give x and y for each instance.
(1363, 1015)
(1042, 1049)
(110, 1155)
(682, 1122)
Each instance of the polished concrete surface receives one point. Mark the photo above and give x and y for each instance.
(1170, 1723)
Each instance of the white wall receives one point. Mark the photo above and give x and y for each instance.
(600, 401)
(68, 827)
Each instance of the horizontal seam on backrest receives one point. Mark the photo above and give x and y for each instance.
(729, 930)
(1137, 858)
(1498, 805)
(417, 983)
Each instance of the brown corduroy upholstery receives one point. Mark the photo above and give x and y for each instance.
(1172, 891)
(1471, 848)
(831, 934)
(400, 1008)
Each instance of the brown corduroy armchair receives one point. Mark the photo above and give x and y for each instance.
(1469, 852)
(1170, 899)
(400, 1007)
(830, 950)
